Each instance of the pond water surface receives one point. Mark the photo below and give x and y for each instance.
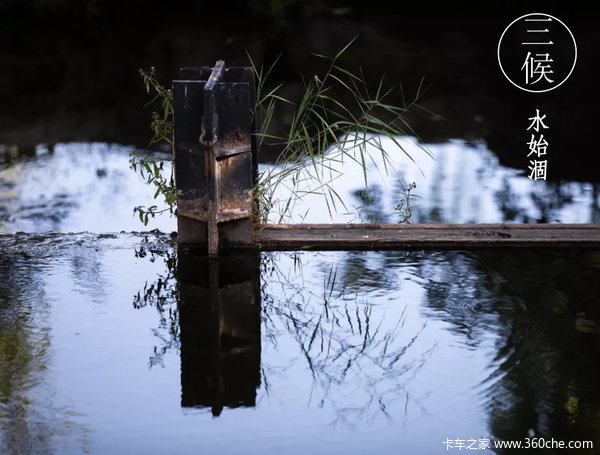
(115, 342)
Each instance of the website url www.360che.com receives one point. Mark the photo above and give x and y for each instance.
(526, 443)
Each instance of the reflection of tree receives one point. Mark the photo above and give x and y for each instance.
(29, 421)
(371, 207)
(549, 200)
(542, 307)
(161, 293)
(539, 310)
(508, 203)
(21, 356)
(345, 344)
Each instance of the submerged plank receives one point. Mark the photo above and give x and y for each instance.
(424, 236)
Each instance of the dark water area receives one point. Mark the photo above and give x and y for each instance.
(68, 68)
(328, 352)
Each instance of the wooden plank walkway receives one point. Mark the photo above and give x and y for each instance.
(271, 237)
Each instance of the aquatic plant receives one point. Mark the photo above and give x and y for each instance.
(326, 130)
(339, 118)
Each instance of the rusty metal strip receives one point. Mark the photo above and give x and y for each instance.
(208, 138)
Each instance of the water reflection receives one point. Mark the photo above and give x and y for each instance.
(345, 350)
(30, 420)
(21, 355)
(546, 380)
(219, 305)
(538, 311)
(162, 295)
(464, 182)
(345, 340)
(210, 312)
(535, 321)
(74, 187)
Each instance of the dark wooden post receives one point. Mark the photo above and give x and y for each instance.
(215, 156)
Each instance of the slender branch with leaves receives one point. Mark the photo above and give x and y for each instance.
(152, 166)
(404, 208)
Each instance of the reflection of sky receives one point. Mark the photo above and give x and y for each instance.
(463, 183)
(89, 187)
(78, 187)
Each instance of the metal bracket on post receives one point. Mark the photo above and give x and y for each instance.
(208, 139)
(215, 156)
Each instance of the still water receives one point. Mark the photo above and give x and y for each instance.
(119, 343)
(324, 352)
(75, 187)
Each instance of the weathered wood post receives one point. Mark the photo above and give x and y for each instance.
(215, 156)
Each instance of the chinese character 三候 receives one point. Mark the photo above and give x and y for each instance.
(537, 146)
(537, 121)
(537, 52)
(538, 65)
(538, 170)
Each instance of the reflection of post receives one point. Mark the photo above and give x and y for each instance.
(219, 308)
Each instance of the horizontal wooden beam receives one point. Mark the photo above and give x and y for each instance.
(424, 236)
